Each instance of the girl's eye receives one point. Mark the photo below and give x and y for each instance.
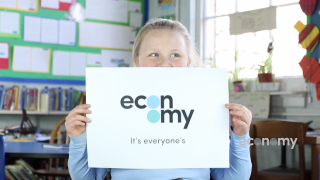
(174, 55)
(154, 55)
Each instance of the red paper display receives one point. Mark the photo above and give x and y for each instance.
(308, 6)
(63, 6)
(309, 67)
(4, 62)
(318, 91)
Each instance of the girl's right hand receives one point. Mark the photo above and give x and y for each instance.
(76, 123)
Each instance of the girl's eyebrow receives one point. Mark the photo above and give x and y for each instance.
(176, 50)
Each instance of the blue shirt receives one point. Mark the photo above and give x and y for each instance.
(240, 165)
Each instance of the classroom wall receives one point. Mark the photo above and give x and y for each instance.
(45, 121)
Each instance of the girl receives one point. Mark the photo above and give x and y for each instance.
(161, 43)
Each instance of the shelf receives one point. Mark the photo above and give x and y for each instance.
(296, 114)
(287, 92)
(58, 112)
(35, 112)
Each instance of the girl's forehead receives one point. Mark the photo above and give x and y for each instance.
(168, 36)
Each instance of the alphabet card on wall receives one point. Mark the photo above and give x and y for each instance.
(155, 118)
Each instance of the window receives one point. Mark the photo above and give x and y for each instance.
(252, 47)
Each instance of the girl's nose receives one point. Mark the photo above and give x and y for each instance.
(164, 62)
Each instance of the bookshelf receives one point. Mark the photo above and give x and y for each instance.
(4, 112)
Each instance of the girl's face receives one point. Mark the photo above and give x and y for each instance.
(163, 48)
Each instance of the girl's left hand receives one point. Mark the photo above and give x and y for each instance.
(241, 118)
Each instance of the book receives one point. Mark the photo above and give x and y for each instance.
(38, 99)
(8, 175)
(44, 102)
(13, 171)
(11, 105)
(9, 99)
(56, 146)
(31, 99)
(70, 99)
(22, 172)
(16, 97)
(46, 90)
(27, 99)
(22, 163)
(5, 99)
(51, 106)
(2, 91)
(22, 97)
(59, 98)
(55, 100)
(76, 97)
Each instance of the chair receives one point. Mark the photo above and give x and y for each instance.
(279, 129)
(2, 158)
(55, 172)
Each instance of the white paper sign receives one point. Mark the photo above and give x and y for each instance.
(131, 125)
(253, 21)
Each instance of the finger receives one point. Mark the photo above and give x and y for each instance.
(81, 118)
(242, 115)
(81, 109)
(79, 123)
(238, 122)
(238, 107)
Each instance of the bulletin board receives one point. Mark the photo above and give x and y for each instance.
(34, 77)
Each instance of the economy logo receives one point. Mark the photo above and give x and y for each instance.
(154, 102)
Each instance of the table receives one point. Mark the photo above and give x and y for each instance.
(32, 149)
(314, 140)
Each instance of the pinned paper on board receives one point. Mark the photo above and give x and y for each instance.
(9, 24)
(61, 63)
(20, 5)
(136, 19)
(32, 29)
(31, 59)
(49, 30)
(102, 35)
(52, 31)
(66, 63)
(113, 58)
(93, 60)
(258, 102)
(77, 64)
(107, 10)
(134, 6)
(67, 32)
(4, 55)
(28, 5)
(253, 21)
(61, 5)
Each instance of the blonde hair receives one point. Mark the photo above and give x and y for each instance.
(156, 24)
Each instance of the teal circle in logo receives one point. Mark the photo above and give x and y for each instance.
(153, 116)
(153, 102)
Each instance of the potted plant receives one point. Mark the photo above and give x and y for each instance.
(234, 81)
(209, 62)
(266, 79)
(265, 69)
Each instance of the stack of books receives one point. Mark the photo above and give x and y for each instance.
(17, 98)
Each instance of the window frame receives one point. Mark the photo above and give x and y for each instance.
(204, 19)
